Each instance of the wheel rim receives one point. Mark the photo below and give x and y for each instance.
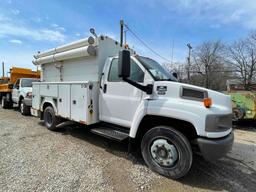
(49, 118)
(163, 152)
(2, 102)
(22, 107)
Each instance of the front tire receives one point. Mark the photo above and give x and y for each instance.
(167, 152)
(50, 119)
(24, 109)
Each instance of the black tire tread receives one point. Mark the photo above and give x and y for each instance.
(56, 120)
(5, 103)
(26, 109)
(184, 165)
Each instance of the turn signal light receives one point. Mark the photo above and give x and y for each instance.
(207, 102)
(126, 46)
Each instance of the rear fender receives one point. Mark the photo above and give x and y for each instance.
(51, 101)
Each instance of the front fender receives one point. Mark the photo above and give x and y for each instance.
(137, 118)
(171, 109)
(22, 95)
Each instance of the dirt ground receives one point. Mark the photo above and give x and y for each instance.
(35, 159)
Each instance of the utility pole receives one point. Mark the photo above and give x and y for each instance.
(3, 68)
(189, 61)
(121, 32)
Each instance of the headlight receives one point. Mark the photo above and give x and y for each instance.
(29, 95)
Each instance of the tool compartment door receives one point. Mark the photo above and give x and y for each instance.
(64, 100)
(49, 90)
(36, 96)
(79, 105)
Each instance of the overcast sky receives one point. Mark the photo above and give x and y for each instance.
(27, 26)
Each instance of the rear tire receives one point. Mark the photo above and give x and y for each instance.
(50, 119)
(24, 109)
(4, 103)
(167, 152)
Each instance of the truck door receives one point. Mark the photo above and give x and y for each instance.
(15, 91)
(118, 99)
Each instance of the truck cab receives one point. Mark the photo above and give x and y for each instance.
(22, 94)
(7, 83)
(120, 95)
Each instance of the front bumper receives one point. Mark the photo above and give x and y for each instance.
(28, 102)
(213, 149)
(34, 112)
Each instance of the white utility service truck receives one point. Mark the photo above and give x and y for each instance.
(120, 95)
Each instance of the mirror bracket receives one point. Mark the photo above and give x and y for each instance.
(147, 89)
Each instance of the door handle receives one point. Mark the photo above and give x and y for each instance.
(105, 88)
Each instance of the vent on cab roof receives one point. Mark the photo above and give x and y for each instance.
(194, 94)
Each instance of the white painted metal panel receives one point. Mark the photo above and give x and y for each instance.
(50, 90)
(64, 100)
(82, 68)
(79, 105)
(93, 100)
(36, 96)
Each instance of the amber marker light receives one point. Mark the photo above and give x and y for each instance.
(207, 102)
(126, 46)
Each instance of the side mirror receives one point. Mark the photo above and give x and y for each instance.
(124, 64)
(10, 86)
(175, 75)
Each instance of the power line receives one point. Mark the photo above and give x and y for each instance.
(145, 44)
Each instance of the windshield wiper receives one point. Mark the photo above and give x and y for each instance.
(165, 79)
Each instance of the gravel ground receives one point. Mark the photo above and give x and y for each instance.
(35, 159)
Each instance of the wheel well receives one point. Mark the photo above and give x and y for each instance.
(151, 121)
(21, 97)
(46, 104)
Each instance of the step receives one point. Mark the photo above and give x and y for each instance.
(111, 133)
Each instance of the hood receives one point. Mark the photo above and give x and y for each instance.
(26, 89)
(170, 89)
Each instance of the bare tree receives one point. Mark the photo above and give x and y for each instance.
(209, 64)
(176, 67)
(242, 56)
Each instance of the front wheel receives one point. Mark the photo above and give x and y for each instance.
(24, 109)
(50, 119)
(167, 152)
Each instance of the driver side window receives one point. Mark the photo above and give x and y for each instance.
(136, 73)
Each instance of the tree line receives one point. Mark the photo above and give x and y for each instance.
(212, 63)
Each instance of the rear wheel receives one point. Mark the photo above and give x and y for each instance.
(4, 103)
(167, 151)
(24, 109)
(50, 119)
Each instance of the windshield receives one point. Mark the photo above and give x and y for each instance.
(28, 82)
(156, 70)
